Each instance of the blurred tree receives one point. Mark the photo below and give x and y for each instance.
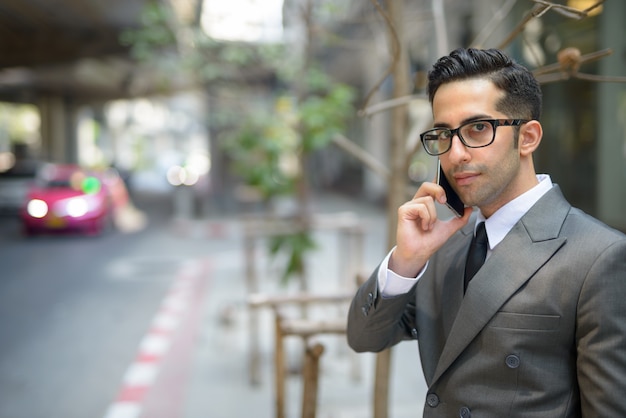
(269, 149)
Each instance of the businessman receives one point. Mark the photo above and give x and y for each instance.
(539, 329)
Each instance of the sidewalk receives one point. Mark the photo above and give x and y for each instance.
(220, 385)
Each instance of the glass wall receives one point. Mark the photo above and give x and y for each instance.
(578, 138)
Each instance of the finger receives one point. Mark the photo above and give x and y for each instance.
(423, 210)
(431, 189)
(457, 223)
(415, 210)
(454, 223)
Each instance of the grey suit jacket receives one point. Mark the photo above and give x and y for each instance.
(540, 332)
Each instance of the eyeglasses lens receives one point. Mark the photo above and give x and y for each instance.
(474, 134)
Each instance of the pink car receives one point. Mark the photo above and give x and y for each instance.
(67, 197)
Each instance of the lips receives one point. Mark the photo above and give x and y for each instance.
(463, 179)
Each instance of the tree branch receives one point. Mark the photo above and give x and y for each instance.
(360, 154)
(395, 47)
(502, 12)
(388, 104)
(541, 7)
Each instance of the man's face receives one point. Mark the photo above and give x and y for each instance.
(486, 177)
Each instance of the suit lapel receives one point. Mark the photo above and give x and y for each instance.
(452, 286)
(529, 245)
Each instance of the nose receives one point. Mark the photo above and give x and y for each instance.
(458, 151)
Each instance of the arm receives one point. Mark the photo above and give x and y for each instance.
(601, 335)
(376, 323)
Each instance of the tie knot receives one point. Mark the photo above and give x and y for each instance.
(481, 234)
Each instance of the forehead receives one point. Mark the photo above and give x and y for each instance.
(464, 99)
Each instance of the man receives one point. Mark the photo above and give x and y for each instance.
(540, 330)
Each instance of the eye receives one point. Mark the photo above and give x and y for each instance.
(479, 127)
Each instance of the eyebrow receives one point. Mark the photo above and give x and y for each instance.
(470, 119)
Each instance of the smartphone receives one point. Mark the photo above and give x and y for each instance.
(454, 202)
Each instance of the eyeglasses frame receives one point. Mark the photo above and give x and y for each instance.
(457, 131)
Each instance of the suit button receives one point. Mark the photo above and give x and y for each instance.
(365, 309)
(370, 298)
(414, 333)
(512, 361)
(465, 412)
(432, 400)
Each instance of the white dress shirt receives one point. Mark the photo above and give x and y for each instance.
(498, 225)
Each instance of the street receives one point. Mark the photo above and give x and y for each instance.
(153, 324)
(72, 311)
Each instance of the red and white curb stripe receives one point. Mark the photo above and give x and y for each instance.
(142, 374)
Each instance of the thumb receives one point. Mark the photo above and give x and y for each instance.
(457, 223)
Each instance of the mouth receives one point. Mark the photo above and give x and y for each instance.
(464, 179)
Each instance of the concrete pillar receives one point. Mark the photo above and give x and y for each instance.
(376, 127)
(58, 130)
(611, 193)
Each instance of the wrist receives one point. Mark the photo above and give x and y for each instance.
(405, 266)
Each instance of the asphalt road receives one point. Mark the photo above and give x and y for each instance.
(152, 324)
(73, 310)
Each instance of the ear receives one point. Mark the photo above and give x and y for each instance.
(530, 135)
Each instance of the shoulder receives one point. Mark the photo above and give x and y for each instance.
(553, 216)
(579, 223)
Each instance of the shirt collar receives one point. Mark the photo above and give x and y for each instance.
(502, 221)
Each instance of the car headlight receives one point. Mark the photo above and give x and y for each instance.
(77, 207)
(37, 208)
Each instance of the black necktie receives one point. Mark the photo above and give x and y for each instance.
(476, 254)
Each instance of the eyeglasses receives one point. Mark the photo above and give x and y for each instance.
(473, 134)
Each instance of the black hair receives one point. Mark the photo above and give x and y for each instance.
(522, 97)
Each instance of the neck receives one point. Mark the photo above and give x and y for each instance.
(524, 184)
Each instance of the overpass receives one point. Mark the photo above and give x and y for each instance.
(60, 55)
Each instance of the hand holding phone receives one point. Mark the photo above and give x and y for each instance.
(454, 202)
